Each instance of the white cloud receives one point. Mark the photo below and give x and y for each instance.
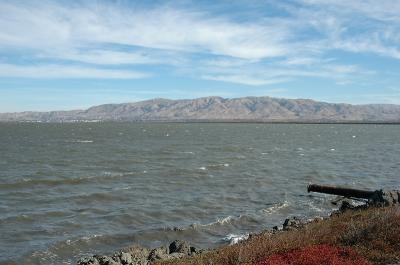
(245, 79)
(60, 71)
(257, 51)
(43, 25)
(365, 45)
(106, 57)
(295, 61)
(360, 26)
(384, 10)
(254, 74)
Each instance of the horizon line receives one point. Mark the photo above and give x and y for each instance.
(195, 98)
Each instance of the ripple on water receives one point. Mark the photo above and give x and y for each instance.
(104, 190)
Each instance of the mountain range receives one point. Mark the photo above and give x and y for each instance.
(263, 109)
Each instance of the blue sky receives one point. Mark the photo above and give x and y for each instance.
(74, 54)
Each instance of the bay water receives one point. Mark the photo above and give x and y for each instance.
(76, 189)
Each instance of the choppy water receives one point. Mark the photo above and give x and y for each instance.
(68, 190)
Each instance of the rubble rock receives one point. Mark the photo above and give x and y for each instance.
(138, 255)
(125, 258)
(293, 223)
(161, 253)
(179, 246)
(105, 260)
(385, 198)
(346, 206)
(88, 261)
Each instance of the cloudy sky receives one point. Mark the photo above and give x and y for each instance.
(74, 54)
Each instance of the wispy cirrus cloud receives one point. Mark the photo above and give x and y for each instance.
(61, 71)
(354, 26)
(42, 25)
(102, 38)
(104, 57)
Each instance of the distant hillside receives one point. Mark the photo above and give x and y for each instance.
(218, 109)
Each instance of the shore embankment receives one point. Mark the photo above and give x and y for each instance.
(364, 235)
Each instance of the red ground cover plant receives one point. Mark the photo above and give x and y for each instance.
(316, 255)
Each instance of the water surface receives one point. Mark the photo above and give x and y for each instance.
(68, 190)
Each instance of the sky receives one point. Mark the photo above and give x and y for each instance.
(61, 55)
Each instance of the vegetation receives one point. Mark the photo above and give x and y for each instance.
(362, 236)
(317, 255)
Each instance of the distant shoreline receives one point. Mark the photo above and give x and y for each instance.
(215, 121)
(222, 110)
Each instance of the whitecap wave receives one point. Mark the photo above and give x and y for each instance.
(187, 152)
(222, 221)
(276, 207)
(234, 239)
(315, 208)
(219, 221)
(80, 141)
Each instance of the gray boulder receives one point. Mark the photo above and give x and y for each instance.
(160, 253)
(106, 260)
(137, 255)
(179, 246)
(385, 198)
(134, 255)
(88, 261)
(293, 223)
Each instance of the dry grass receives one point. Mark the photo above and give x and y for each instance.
(373, 233)
(317, 255)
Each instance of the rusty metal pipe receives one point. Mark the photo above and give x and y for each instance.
(346, 192)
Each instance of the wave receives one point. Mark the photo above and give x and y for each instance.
(315, 208)
(234, 239)
(219, 223)
(214, 166)
(221, 165)
(276, 207)
(197, 226)
(187, 152)
(61, 252)
(79, 141)
(32, 217)
(28, 182)
(77, 241)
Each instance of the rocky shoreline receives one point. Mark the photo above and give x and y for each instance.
(178, 249)
(137, 255)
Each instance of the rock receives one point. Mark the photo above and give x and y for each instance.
(105, 260)
(193, 250)
(391, 197)
(176, 255)
(292, 223)
(139, 255)
(88, 261)
(346, 206)
(126, 258)
(136, 255)
(176, 250)
(179, 246)
(385, 198)
(161, 253)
